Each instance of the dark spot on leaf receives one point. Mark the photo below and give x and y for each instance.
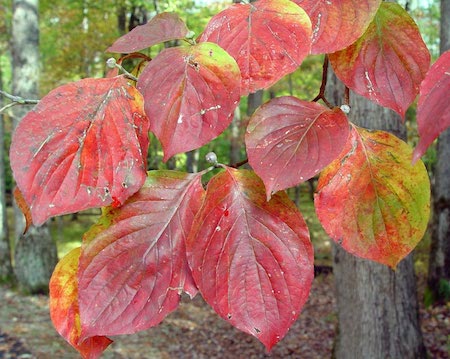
(226, 213)
(194, 64)
(257, 330)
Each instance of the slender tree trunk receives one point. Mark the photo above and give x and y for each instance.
(377, 307)
(254, 101)
(6, 272)
(439, 264)
(121, 17)
(192, 158)
(35, 252)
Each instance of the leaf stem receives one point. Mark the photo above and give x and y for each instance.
(126, 73)
(239, 164)
(321, 95)
(111, 63)
(347, 96)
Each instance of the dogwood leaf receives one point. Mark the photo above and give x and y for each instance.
(251, 259)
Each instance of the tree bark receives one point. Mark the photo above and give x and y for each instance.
(236, 137)
(35, 252)
(192, 158)
(6, 271)
(254, 100)
(438, 280)
(377, 307)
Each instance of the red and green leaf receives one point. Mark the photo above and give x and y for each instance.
(372, 200)
(268, 39)
(251, 259)
(190, 95)
(162, 27)
(83, 146)
(289, 141)
(64, 310)
(433, 108)
(133, 263)
(337, 24)
(388, 63)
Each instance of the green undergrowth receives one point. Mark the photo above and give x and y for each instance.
(68, 230)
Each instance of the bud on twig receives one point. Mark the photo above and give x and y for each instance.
(211, 157)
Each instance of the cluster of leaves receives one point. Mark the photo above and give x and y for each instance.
(240, 242)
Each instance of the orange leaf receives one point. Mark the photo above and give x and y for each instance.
(372, 200)
(64, 310)
(23, 206)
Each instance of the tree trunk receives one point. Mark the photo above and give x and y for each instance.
(439, 264)
(254, 100)
(35, 252)
(6, 272)
(377, 307)
(235, 137)
(192, 158)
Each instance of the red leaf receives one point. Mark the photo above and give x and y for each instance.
(388, 63)
(268, 39)
(371, 200)
(133, 265)
(84, 144)
(162, 27)
(251, 259)
(190, 95)
(433, 108)
(337, 24)
(289, 141)
(64, 310)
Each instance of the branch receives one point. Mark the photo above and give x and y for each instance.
(239, 164)
(347, 96)
(16, 100)
(321, 95)
(111, 63)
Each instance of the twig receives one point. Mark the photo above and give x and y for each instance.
(111, 63)
(239, 164)
(347, 96)
(321, 95)
(16, 100)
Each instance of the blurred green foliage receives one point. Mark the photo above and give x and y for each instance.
(73, 39)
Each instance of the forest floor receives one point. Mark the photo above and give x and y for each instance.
(195, 331)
